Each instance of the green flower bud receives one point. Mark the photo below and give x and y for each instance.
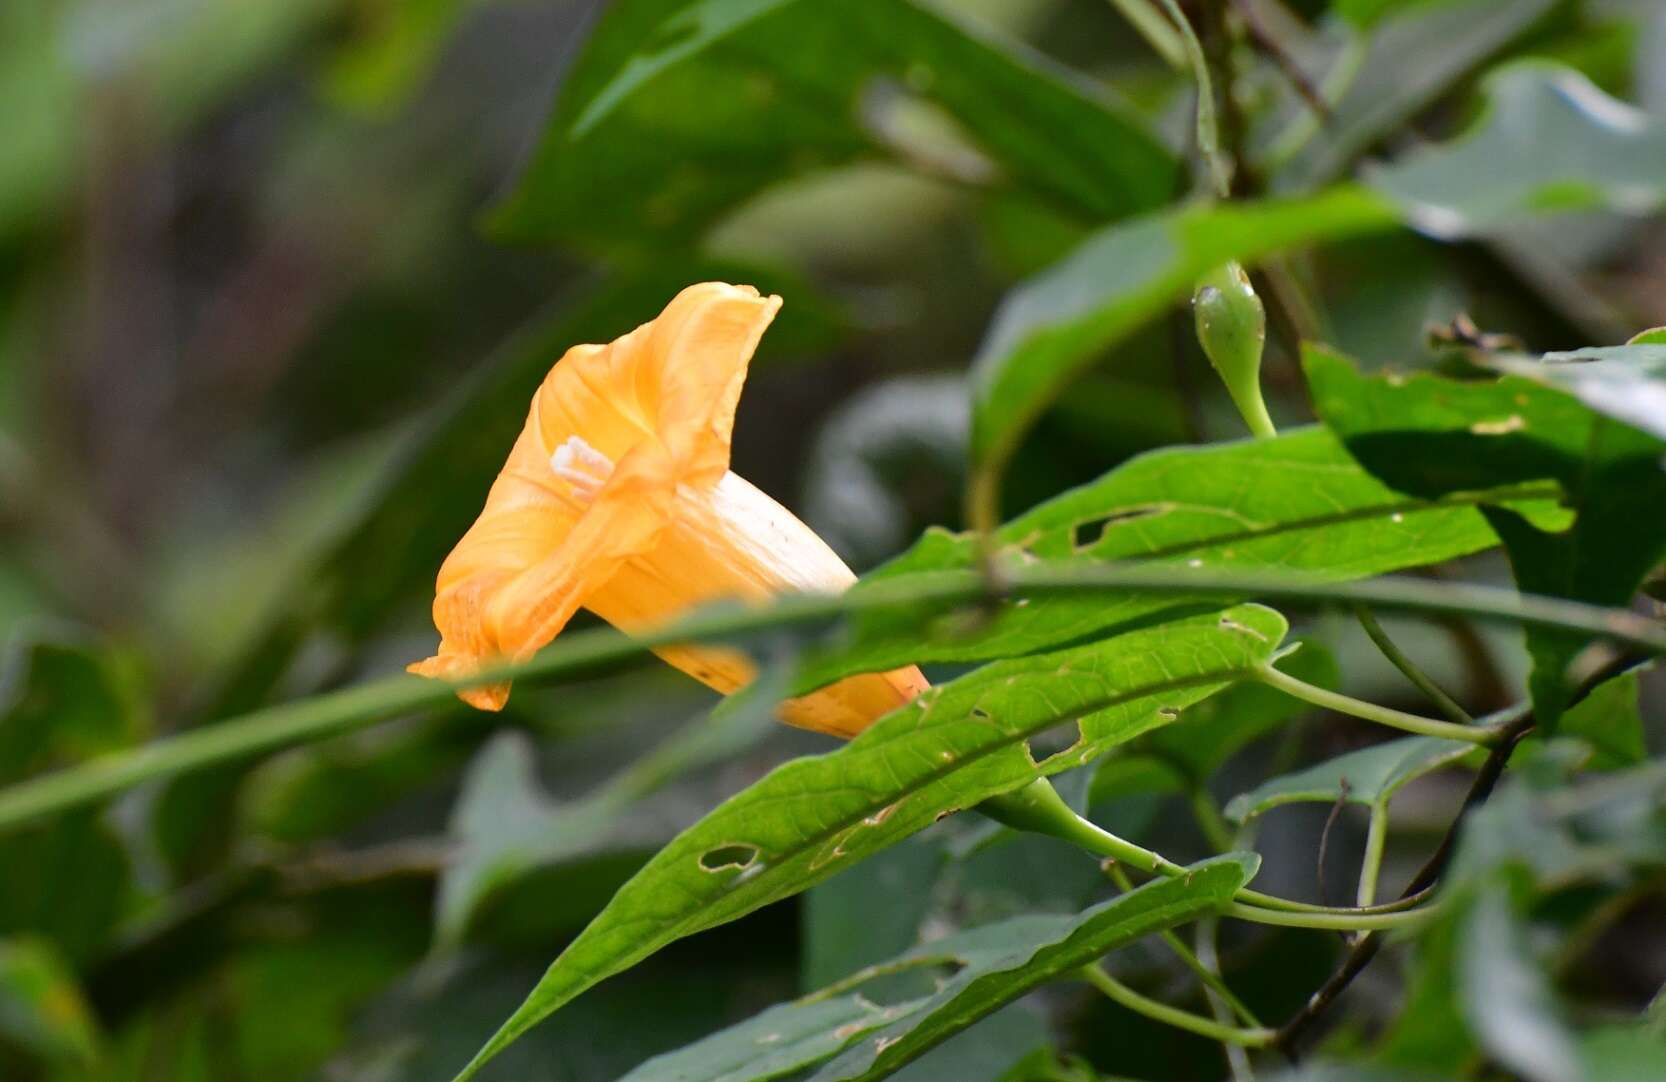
(1232, 328)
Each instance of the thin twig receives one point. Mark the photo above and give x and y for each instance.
(1268, 43)
(1366, 946)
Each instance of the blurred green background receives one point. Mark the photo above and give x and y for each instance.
(277, 278)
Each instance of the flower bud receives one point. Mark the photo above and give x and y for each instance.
(1232, 328)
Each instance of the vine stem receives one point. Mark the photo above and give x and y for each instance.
(1382, 715)
(1121, 994)
(1389, 649)
(339, 712)
(1210, 978)
(1038, 808)
(1371, 866)
(1154, 28)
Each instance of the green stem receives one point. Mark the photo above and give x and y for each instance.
(1237, 1060)
(339, 712)
(1382, 715)
(1407, 666)
(1211, 979)
(1155, 29)
(1334, 922)
(1210, 821)
(1038, 808)
(1208, 126)
(1121, 994)
(1375, 834)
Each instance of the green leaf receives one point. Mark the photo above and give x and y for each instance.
(1622, 1054)
(1294, 503)
(1609, 720)
(953, 747)
(1434, 437)
(1627, 383)
(1506, 997)
(1411, 59)
(1184, 755)
(1020, 958)
(1056, 325)
(678, 111)
(42, 1011)
(988, 968)
(1369, 776)
(1549, 141)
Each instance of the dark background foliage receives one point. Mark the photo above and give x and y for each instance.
(276, 279)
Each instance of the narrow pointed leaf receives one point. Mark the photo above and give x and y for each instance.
(990, 967)
(678, 111)
(954, 747)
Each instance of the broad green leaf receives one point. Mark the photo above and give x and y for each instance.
(1506, 996)
(1432, 437)
(985, 969)
(983, 1052)
(1413, 56)
(1369, 776)
(1296, 503)
(1549, 141)
(953, 747)
(678, 111)
(1627, 383)
(1609, 720)
(1057, 324)
(1028, 959)
(42, 1012)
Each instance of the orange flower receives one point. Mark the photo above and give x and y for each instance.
(617, 497)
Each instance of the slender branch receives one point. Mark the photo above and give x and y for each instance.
(1366, 947)
(1371, 866)
(1155, 29)
(1208, 124)
(1407, 666)
(1382, 715)
(1125, 996)
(586, 652)
(1211, 979)
(1268, 43)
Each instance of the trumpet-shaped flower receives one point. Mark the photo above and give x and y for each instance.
(617, 497)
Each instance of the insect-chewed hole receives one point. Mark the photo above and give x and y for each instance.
(1089, 532)
(1054, 740)
(725, 857)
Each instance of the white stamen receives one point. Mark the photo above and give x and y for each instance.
(581, 466)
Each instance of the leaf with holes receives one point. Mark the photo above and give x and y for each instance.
(1184, 755)
(1550, 141)
(677, 111)
(1368, 776)
(985, 969)
(1432, 437)
(952, 748)
(1296, 503)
